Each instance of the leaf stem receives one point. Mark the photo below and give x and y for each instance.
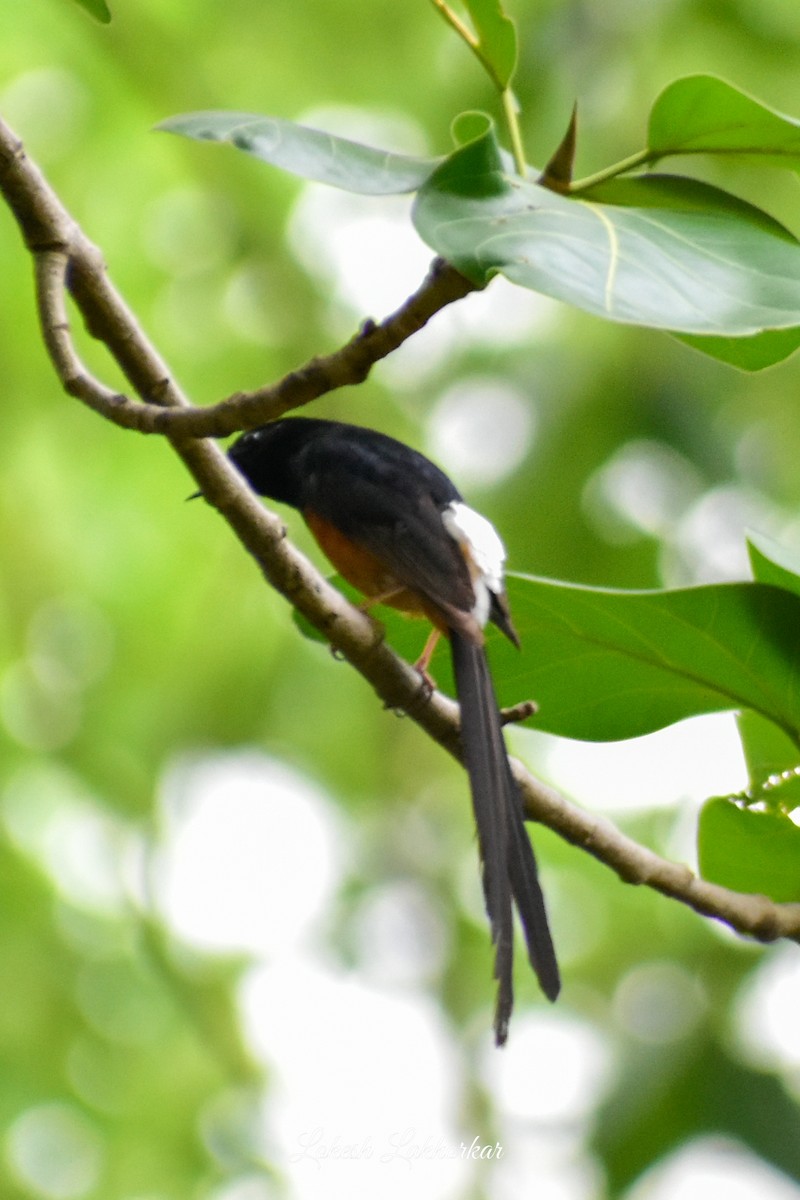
(455, 21)
(626, 164)
(472, 41)
(511, 111)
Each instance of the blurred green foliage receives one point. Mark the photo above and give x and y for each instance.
(133, 630)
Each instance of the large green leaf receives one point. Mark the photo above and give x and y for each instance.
(703, 114)
(661, 251)
(605, 665)
(307, 152)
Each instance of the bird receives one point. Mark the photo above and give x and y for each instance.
(397, 528)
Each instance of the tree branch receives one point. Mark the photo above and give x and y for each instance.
(65, 257)
(753, 915)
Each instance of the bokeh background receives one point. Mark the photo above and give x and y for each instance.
(242, 947)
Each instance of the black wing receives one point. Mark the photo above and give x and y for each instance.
(389, 499)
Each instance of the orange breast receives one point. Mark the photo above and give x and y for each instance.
(366, 572)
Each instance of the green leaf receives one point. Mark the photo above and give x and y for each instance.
(703, 114)
(773, 761)
(497, 38)
(661, 251)
(492, 38)
(605, 665)
(772, 757)
(470, 126)
(747, 353)
(773, 563)
(679, 193)
(309, 153)
(749, 851)
(97, 8)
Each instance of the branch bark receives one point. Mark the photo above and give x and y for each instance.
(65, 258)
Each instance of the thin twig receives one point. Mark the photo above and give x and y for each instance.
(518, 712)
(51, 273)
(63, 254)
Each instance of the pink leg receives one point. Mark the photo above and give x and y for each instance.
(422, 662)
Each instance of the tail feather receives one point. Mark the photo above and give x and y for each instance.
(508, 864)
(530, 900)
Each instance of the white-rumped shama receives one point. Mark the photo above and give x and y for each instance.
(395, 527)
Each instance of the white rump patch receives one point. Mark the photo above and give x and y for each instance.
(485, 552)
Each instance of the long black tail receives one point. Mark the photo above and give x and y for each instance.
(509, 867)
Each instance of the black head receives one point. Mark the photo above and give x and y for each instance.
(268, 456)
